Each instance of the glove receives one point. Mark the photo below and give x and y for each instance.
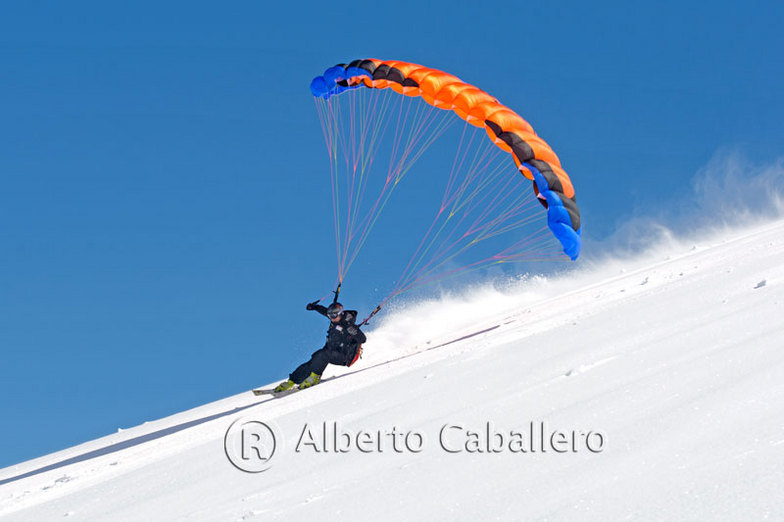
(311, 306)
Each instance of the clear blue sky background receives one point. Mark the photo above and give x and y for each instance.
(164, 206)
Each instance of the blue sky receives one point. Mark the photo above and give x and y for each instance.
(164, 198)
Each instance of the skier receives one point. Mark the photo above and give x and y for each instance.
(343, 347)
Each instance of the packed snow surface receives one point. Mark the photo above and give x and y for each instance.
(647, 388)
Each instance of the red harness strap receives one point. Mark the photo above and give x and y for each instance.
(356, 355)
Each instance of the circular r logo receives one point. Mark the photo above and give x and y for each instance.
(250, 445)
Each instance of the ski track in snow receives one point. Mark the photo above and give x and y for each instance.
(676, 357)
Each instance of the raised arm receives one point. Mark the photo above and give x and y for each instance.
(317, 307)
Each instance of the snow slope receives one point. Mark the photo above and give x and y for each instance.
(664, 375)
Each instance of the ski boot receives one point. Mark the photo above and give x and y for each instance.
(286, 385)
(311, 380)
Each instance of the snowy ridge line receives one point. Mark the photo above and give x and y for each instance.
(616, 286)
(717, 239)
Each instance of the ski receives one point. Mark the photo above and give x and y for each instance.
(275, 394)
(271, 391)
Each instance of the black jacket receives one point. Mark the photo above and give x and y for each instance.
(343, 336)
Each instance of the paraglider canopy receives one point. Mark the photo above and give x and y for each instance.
(485, 203)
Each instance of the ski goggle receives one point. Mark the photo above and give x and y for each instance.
(334, 314)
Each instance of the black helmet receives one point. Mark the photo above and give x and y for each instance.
(334, 310)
